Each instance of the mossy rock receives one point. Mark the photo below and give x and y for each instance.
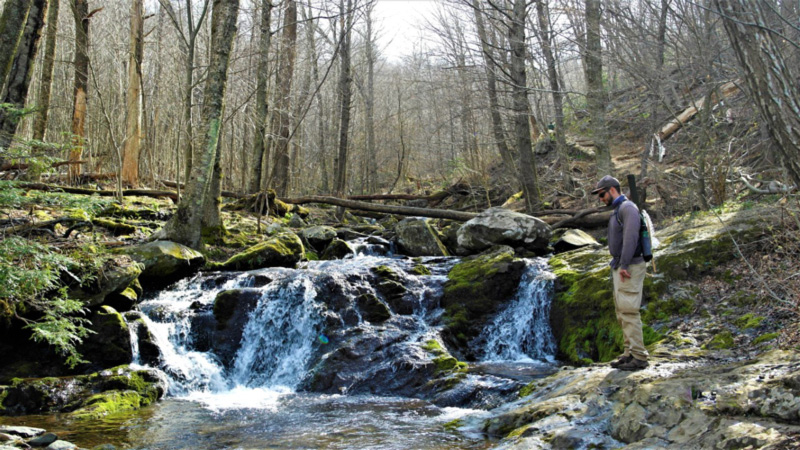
(116, 227)
(372, 309)
(110, 345)
(420, 270)
(101, 405)
(337, 249)
(720, 341)
(319, 237)
(282, 250)
(164, 261)
(415, 237)
(122, 301)
(115, 277)
(475, 288)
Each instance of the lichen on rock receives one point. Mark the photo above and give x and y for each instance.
(282, 250)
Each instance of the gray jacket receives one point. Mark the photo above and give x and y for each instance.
(623, 239)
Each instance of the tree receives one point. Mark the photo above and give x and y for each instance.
(80, 13)
(261, 98)
(346, 92)
(519, 91)
(19, 77)
(595, 92)
(133, 115)
(46, 81)
(546, 39)
(185, 226)
(770, 80)
(12, 24)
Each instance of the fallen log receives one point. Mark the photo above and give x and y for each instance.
(388, 209)
(226, 194)
(726, 90)
(23, 166)
(102, 193)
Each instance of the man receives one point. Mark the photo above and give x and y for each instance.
(627, 271)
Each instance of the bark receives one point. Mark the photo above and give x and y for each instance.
(726, 90)
(545, 37)
(46, 81)
(372, 159)
(19, 78)
(12, 24)
(770, 80)
(261, 99)
(389, 209)
(280, 170)
(102, 193)
(519, 81)
(595, 92)
(185, 226)
(133, 116)
(80, 13)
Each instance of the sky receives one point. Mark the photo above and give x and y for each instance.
(401, 24)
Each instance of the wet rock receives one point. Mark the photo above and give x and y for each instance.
(23, 432)
(149, 351)
(391, 287)
(415, 237)
(282, 250)
(630, 425)
(348, 234)
(372, 309)
(43, 440)
(110, 344)
(475, 288)
(122, 301)
(61, 445)
(499, 226)
(319, 237)
(337, 249)
(572, 239)
(232, 312)
(164, 261)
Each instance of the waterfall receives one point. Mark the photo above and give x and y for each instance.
(521, 332)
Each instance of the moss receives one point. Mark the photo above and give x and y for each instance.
(720, 341)
(311, 256)
(667, 309)
(420, 270)
(519, 431)
(528, 389)
(118, 228)
(106, 403)
(765, 338)
(385, 272)
(748, 321)
(454, 425)
(283, 250)
(433, 346)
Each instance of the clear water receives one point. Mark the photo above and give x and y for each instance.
(254, 404)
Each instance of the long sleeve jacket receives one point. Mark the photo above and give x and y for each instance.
(623, 234)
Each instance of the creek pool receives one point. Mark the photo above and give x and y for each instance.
(277, 421)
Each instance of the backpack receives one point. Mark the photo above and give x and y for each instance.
(646, 240)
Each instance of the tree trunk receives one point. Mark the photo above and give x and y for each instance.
(770, 80)
(280, 170)
(261, 98)
(133, 116)
(595, 93)
(19, 78)
(389, 209)
(372, 157)
(545, 37)
(12, 24)
(519, 88)
(185, 227)
(80, 12)
(345, 90)
(46, 81)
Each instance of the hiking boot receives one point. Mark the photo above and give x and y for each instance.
(622, 360)
(633, 364)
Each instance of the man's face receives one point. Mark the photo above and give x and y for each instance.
(605, 196)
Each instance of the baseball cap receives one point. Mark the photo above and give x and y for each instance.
(605, 183)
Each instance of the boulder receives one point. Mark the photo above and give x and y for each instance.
(124, 300)
(319, 237)
(572, 239)
(499, 226)
(337, 249)
(149, 352)
(231, 311)
(115, 277)
(392, 288)
(475, 288)
(164, 261)
(415, 237)
(372, 309)
(296, 221)
(282, 250)
(110, 344)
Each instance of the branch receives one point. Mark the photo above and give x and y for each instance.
(388, 209)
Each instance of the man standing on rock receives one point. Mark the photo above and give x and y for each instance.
(627, 271)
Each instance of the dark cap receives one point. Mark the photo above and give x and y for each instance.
(606, 182)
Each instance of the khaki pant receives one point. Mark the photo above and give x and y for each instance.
(627, 301)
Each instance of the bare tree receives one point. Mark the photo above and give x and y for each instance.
(46, 80)
(546, 40)
(595, 92)
(282, 120)
(262, 75)
(133, 114)
(12, 24)
(80, 13)
(346, 92)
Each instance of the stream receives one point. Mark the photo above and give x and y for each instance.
(258, 397)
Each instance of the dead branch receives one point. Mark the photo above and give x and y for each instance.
(226, 194)
(389, 209)
(726, 90)
(102, 193)
(24, 166)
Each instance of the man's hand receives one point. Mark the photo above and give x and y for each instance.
(624, 274)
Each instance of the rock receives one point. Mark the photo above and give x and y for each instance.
(164, 261)
(319, 237)
(337, 249)
(61, 445)
(372, 309)
(631, 424)
(110, 345)
(348, 234)
(450, 236)
(296, 221)
(122, 301)
(282, 250)
(149, 351)
(391, 286)
(415, 237)
(572, 239)
(232, 312)
(475, 288)
(104, 447)
(43, 440)
(499, 226)
(23, 432)
(112, 279)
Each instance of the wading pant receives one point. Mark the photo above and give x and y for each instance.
(627, 301)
